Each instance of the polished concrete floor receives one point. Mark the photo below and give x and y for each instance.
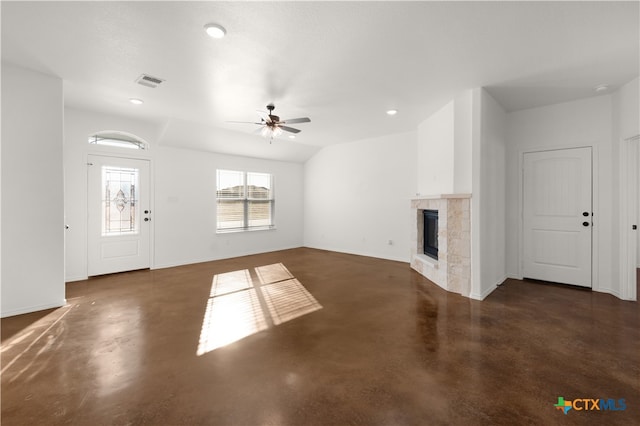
(309, 337)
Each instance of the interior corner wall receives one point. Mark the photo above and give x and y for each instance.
(585, 122)
(184, 209)
(32, 192)
(357, 197)
(435, 153)
(490, 233)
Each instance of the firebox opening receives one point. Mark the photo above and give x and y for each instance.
(430, 240)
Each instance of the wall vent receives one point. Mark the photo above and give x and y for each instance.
(149, 81)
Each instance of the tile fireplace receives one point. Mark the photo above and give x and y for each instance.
(443, 254)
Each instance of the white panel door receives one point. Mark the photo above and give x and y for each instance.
(118, 215)
(557, 216)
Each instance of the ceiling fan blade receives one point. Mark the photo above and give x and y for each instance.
(297, 120)
(257, 131)
(289, 129)
(264, 116)
(245, 122)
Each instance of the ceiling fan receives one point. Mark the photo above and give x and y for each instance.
(271, 125)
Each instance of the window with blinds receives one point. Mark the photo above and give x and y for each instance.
(245, 200)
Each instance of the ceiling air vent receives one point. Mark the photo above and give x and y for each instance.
(149, 81)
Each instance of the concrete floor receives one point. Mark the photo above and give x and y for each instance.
(331, 339)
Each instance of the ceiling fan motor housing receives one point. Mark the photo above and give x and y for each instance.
(274, 118)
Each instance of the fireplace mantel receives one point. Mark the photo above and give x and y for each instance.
(452, 269)
(440, 196)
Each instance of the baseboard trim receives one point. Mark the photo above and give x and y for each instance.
(404, 259)
(73, 279)
(608, 291)
(204, 260)
(30, 309)
(488, 291)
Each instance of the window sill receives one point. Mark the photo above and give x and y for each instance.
(236, 230)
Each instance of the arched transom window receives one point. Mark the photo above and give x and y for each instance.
(118, 140)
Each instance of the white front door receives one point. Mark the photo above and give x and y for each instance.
(557, 216)
(118, 215)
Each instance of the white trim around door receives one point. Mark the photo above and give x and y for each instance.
(629, 216)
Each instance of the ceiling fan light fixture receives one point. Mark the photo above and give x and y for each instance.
(271, 131)
(215, 30)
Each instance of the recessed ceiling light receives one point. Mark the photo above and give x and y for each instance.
(136, 101)
(292, 136)
(215, 30)
(392, 112)
(601, 88)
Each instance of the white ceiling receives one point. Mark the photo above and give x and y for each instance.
(341, 63)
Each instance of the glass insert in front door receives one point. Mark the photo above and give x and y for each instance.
(120, 214)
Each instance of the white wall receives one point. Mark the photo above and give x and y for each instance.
(357, 197)
(626, 117)
(462, 136)
(32, 192)
(586, 122)
(183, 212)
(444, 149)
(489, 196)
(435, 149)
(627, 104)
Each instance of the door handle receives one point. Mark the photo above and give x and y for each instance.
(585, 223)
(149, 211)
(585, 214)
(146, 219)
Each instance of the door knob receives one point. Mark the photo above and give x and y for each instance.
(149, 211)
(585, 223)
(585, 214)
(146, 219)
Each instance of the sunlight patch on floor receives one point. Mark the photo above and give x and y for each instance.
(239, 306)
(288, 300)
(229, 318)
(272, 273)
(230, 282)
